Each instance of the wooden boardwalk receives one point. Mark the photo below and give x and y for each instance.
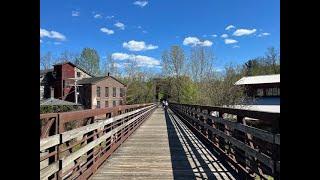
(162, 148)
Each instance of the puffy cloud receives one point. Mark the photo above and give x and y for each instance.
(138, 46)
(75, 13)
(97, 16)
(142, 61)
(107, 31)
(141, 3)
(224, 35)
(52, 34)
(230, 41)
(235, 46)
(109, 17)
(194, 41)
(244, 32)
(264, 34)
(229, 27)
(214, 35)
(120, 25)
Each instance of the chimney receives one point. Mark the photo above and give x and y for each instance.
(51, 93)
(108, 74)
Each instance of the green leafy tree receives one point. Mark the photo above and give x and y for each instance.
(89, 60)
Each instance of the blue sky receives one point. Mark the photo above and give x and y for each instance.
(143, 29)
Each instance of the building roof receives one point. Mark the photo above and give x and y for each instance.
(265, 79)
(68, 62)
(94, 80)
(55, 102)
(264, 108)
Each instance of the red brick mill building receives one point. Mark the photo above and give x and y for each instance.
(92, 91)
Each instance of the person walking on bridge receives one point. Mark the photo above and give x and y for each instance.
(166, 104)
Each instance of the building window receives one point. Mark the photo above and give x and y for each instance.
(107, 91)
(114, 92)
(98, 91)
(114, 103)
(64, 83)
(78, 74)
(106, 104)
(260, 92)
(120, 102)
(273, 92)
(121, 92)
(98, 104)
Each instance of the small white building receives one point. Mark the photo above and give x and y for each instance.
(265, 91)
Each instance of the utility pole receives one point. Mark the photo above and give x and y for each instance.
(75, 89)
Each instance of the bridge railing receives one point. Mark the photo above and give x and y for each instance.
(74, 144)
(250, 150)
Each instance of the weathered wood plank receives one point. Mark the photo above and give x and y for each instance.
(50, 141)
(69, 159)
(49, 170)
(66, 136)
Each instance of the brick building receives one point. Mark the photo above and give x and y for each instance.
(63, 84)
(62, 79)
(101, 92)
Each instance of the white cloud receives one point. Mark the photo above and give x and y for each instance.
(139, 27)
(119, 25)
(41, 41)
(214, 35)
(107, 31)
(244, 32)
(145, 32)
(97, 16)
(229, 27)
(141, 3)
(138, 46)
(194, 41)
(142, 61)
(75, 13)
(52, 34)
(109, 17)
(235, 46)
(263, 34)
(224, 35)
(230, 41)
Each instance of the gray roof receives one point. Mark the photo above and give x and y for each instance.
(90, 80)
(53, 101)
(96, 79)
(264, 79)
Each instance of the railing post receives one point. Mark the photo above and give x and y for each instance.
(239, 154)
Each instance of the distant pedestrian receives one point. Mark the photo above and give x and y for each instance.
(166, 105)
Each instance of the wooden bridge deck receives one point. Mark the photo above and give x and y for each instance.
(162, 148)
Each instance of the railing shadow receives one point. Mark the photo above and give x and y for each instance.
(219, 168)
(180, 165)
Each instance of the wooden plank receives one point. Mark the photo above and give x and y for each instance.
(69, 159)
(68, 135)
(252, 152)
(259, 133)
(49, 142)
(277, 139)
(49, 170)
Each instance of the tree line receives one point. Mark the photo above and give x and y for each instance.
(186, 77)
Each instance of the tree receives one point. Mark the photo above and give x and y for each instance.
(111, 67)
(67, 56)
(201, 63)
(89, 60)
(46, 61)
(272, 60)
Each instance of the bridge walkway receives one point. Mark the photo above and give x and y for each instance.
(163, 148)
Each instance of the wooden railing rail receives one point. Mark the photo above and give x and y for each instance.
(79, 151)
(251, 151)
